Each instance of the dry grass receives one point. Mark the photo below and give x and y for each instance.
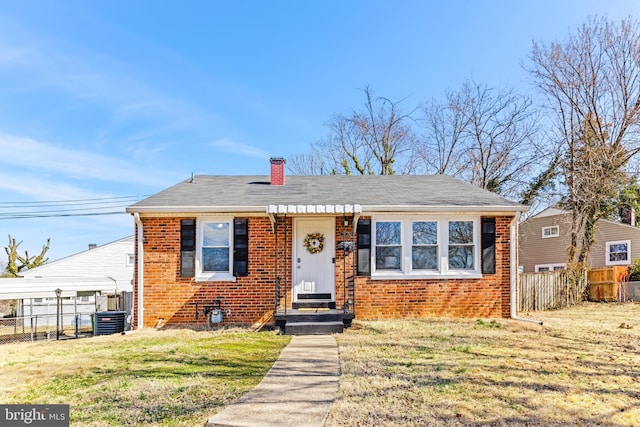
(163, 378)
(581, 368)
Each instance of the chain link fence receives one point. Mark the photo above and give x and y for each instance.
(46, 318)
(45, 327)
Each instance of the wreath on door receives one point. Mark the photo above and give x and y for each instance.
(314, 242)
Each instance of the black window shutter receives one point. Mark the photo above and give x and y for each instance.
(240, 247)
(364, 247)
(488, 245)
(188, 247)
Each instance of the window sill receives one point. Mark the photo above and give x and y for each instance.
(434, 276)
(215, 277)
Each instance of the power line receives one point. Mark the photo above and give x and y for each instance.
(29, 216)
(66, 208)
(121, 199)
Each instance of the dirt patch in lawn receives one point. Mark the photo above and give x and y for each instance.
(580, 368)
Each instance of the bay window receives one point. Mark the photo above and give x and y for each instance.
(435, 246)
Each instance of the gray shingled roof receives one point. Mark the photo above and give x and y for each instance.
(373, 193)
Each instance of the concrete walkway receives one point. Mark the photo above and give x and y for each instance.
(297, 391)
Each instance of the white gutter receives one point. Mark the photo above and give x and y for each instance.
(140, 272)
(444, 208)
(302, 207)
(513, 271)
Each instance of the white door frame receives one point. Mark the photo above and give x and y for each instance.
(301, 257)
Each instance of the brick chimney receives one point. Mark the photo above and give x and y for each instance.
(629, 215)
(277, 170)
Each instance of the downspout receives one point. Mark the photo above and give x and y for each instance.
(140, 281)
(513, 271)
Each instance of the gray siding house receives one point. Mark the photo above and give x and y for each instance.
(544, 239)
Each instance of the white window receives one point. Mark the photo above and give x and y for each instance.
(425, 247)
(618, 253)
(461, 245)
(551, 231)
(214, 249)
(131, 260)
(388, 245)
(543, 268)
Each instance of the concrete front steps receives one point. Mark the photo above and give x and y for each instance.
(313, 321)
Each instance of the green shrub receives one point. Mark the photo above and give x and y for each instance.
(634, 271)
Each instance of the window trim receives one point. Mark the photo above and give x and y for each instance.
(215, 276)
(406, 269)
(130, 260)
(550, 227)
(551, 267)
(607, 245)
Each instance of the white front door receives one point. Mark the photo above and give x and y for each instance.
(314, 254)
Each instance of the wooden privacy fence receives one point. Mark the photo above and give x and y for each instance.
(546, 291)
(607, 284)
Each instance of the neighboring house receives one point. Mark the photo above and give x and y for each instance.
(545, 237)
(85, 280)
(373, 246)
(113, 260)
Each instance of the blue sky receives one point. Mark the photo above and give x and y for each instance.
(106, 99)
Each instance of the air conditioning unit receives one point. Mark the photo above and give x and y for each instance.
(109, 322)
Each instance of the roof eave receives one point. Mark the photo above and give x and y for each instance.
(195, 209)
(365, 208)
(445, 208)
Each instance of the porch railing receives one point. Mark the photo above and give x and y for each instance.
(349, 295)
(347, 245)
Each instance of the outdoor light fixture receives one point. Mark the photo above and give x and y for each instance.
(58, 306)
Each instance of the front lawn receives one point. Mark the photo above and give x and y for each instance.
(581, 368)
(163, 378)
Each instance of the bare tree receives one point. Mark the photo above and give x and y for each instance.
(16, 262)
(375, 140)
(312, 163)
(482, 135)
(443, 149)
(592, 84)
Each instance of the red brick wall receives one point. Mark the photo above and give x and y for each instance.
(172, 298)
(169, 297)
(485, 297)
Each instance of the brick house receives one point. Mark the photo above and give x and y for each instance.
(272, 247)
